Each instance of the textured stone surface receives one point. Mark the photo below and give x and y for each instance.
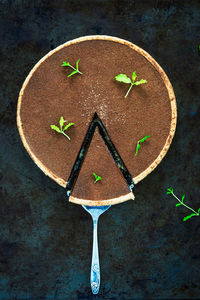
(146, 251)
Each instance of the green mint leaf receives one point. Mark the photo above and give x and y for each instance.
(137, 148)
(54, 127)
(140, 141)
(67, 126)
(61, 130)
(188, 217)
(170, 191)
(140, 82)
(123, 78)
(75, 71)
(65, 64)
(61, 122)
(134, 76)
(72, 73)
(144, 138)
(97, 177)
(77, 63)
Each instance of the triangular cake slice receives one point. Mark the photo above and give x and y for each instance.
(98, 160)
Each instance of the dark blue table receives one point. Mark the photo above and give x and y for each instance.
(146, 251)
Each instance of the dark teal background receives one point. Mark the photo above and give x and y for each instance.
(146, 251)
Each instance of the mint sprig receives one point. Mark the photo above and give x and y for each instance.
(125, 79)
(61, 129)
(140, 141)
(75, 70)
(97, 177)
(194, 213)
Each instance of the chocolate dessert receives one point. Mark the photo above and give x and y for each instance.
(149, 109)
(97, 161)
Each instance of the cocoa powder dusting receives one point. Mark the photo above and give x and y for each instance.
(50, 94)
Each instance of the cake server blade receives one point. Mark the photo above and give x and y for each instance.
(95, 212)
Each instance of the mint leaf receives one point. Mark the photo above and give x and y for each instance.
(140, 141)
(75, 70)
(137, 148)
(65, 64)
(183, 197)
(144, 138)
(194, 213)
(54, 127)
(97, 177)
(77, 63)
(72, 73)
(140, 82)
(134, 76)
(123, 78)
(188, 217)
(67, 126)
(170, 191)
(61, 122)
(60, 130)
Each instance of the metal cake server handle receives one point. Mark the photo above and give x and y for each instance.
(95, 212)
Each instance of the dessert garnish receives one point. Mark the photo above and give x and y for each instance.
(194, 213)
(140, 141)
(97, 177)
(75, 70)
(61, 129)
(125, 79)
(96, 121)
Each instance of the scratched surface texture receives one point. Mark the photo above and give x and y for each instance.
(146, 251)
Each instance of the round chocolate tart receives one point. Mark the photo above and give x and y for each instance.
(149, 109)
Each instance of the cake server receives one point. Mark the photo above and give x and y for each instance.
(95, 212)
